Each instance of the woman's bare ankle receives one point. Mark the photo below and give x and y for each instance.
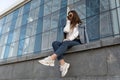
(62, 62)
(53, 56)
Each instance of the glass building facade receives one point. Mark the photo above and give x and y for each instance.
(33, 27)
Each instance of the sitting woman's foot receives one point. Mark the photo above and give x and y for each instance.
(47, 61)
(64, 69)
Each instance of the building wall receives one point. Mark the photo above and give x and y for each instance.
(26, 35)
(32, 28)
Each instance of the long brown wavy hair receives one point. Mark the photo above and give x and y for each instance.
(74, 18)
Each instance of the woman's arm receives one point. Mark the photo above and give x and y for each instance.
(74, 34)
(67, 26)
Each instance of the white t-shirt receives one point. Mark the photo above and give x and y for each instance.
(71, 34)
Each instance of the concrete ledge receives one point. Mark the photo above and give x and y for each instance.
(79, 48)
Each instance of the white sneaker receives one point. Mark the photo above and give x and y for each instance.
(64, 69)
(47, 61)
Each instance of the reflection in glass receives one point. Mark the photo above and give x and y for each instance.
(6, 27)
(45, 41)
(118, 3)
(31, 29)
(34, 4)
(115, 21)
(33, 15)
(26, 45)
(1, 48)
(104, 5)
(70, 2)
(56, 5)
(18, 22)
(119, 16)
(52, 37)
(9, 17)
(3, 39)
(54, 20)
(16, 35)
(46, 23)
(13, 49)
(31, 44)
(112, 4)
(2, 52)
(105, 25)
(47, 8)
(80, 7)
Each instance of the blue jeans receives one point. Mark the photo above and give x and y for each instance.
(61, 47)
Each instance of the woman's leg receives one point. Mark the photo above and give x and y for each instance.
(56, 45)
(61, 50)
(64, 66)
(64, 46)
(49, 61)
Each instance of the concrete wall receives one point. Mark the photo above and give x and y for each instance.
(98, 60)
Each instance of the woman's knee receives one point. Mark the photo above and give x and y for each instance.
(65, 43)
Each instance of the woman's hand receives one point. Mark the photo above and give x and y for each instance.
(66, 40)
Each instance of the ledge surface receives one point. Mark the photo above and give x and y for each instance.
(84, 47)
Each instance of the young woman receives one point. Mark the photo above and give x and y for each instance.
(71, 39)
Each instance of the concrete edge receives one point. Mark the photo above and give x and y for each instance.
(84, 47)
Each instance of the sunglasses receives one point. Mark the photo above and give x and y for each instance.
(70, 15)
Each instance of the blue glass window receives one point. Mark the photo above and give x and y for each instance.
(20, 47)
(118, 3)
(13, 49)
(16, 35)
(56, 5)
(31, 29)
(112, 4)
(18, 22)
(115, 25)
(26, 8)
(30, 46)
(92, 23)
(20, 10)
(33, 14)
(38, 37)
(46, 23)
(54, 20)
(35, 3)
(104, 5)
(9, 17)
(2, 52)
(25, 19)
(4, 39)
(52, 37)
(105, 25)
(80, 8)
(70, 2)
(118, 16)
(45, 40)
(47, 8)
